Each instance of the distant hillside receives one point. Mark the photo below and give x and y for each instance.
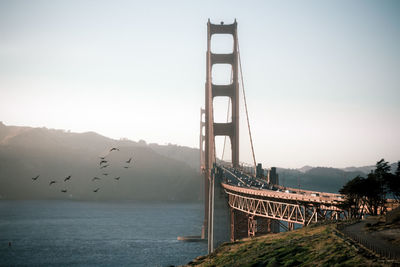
(155, 173)
(190, 156)
(305, 168)
(318, 179)
(368, 169)
(364, 169)
(322, 178)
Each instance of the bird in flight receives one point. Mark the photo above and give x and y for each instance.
(52, 182)
(104, 166)
(97, 189)
(114, 148)
(35, 178)
(129, 160)
(103, 161)
(64, 190)
(96, 178)
(67, 178)
(117, 178)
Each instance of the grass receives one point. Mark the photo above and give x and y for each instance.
(310, 246)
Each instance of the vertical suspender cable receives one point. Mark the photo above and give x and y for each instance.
(245, 105)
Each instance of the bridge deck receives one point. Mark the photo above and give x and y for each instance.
(234, 178)
(283, 195)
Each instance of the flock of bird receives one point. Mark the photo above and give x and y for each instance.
(104, 163)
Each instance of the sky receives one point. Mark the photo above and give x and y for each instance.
(322, 78)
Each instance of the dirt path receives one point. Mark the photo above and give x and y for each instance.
(375, 240)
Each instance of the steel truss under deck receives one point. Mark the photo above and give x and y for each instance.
(300, 213)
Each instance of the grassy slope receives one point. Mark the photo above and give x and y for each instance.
(317, 245)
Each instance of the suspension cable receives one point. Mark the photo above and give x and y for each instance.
(245, 105)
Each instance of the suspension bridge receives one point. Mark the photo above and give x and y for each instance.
(247, 203)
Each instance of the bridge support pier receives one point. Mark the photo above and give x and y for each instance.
(266, 226)
(239, 225)
(245, 225)
(251, 226)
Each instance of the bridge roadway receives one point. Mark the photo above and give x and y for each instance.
(258, 198)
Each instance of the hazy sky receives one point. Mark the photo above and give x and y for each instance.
(322, 78)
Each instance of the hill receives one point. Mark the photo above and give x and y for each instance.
(26, 152)
(159, 172)
(310, 246)
(322, 178)
(190, 156)
(318, 178)
(368, 169)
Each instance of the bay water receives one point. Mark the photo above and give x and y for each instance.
(112, 233)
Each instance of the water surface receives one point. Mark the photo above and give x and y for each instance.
(98, 233)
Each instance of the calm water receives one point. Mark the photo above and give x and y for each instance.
(98, 233)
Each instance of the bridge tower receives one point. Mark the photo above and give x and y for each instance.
(213, 129)
(230, 129)
(203, 173)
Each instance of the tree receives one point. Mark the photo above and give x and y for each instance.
(373, 195)
(382, 169)
(393, 183)
(353, 196)
(369, 194)
(378, 187)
